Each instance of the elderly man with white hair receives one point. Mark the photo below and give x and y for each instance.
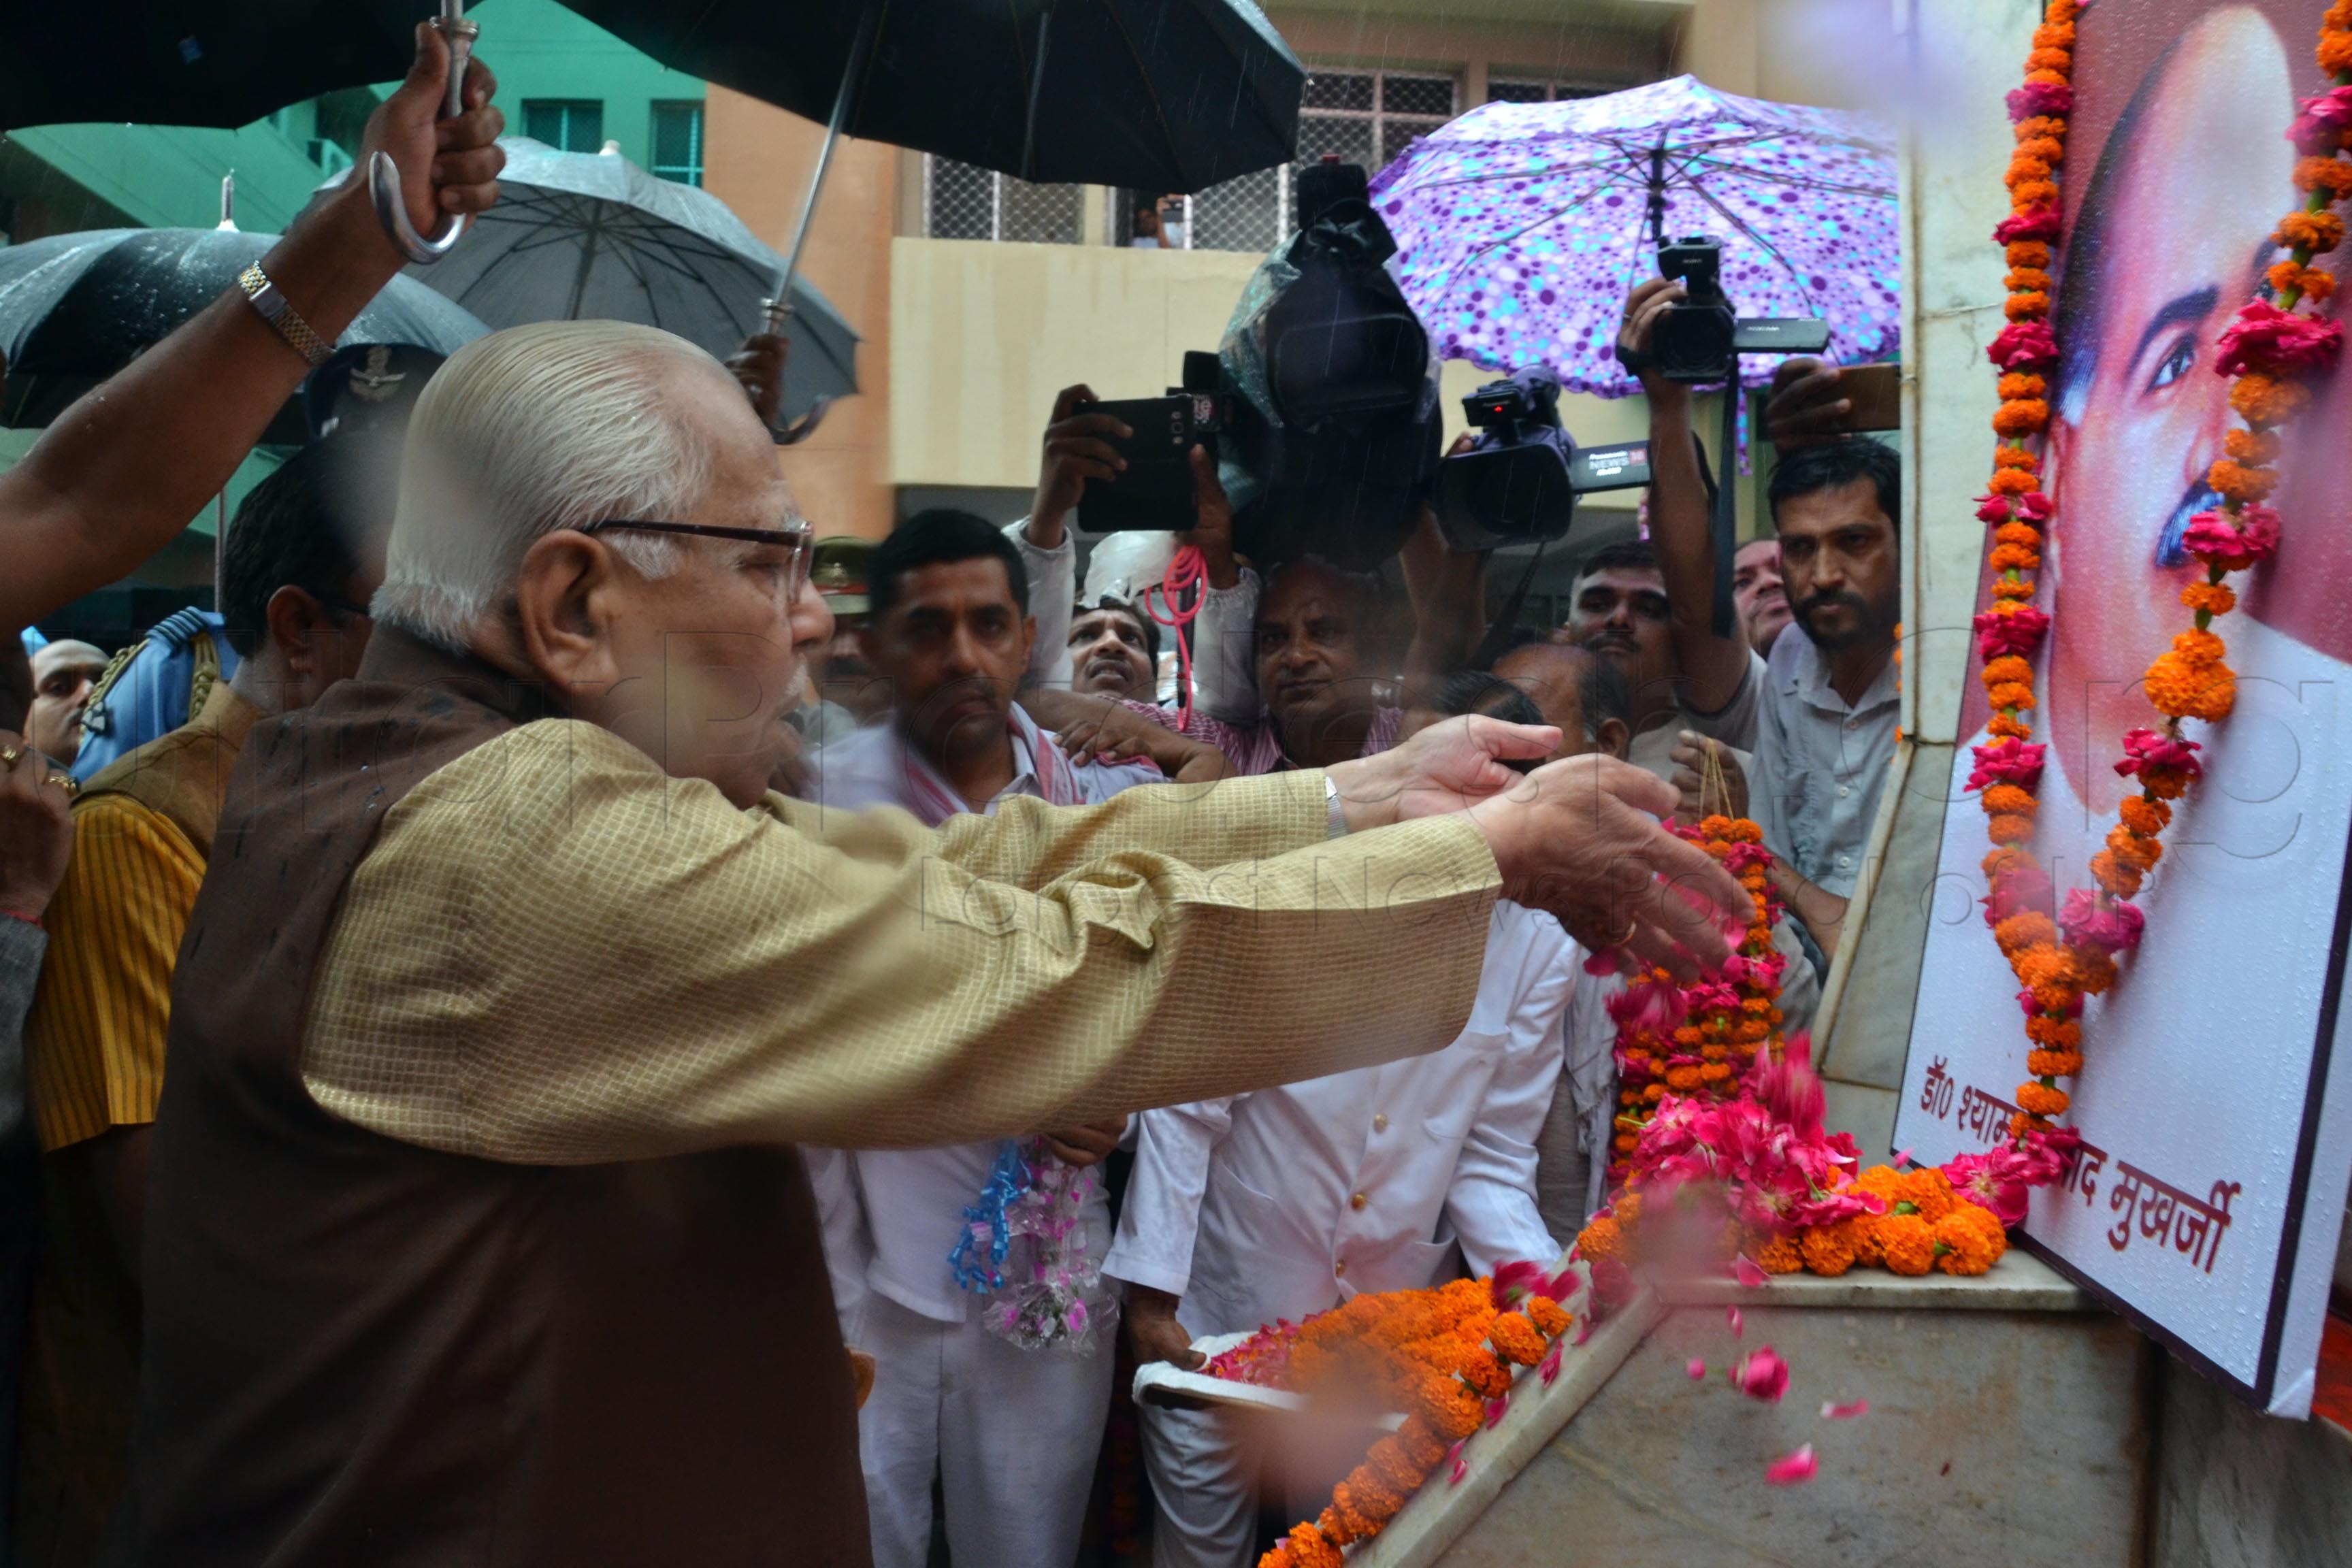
(476, 1228)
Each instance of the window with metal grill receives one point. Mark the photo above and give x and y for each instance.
(567, 124)
(962, 201)
(1520, 91)
(1361, 117)
(677, 142)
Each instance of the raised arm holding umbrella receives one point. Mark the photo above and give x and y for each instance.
(123, 471)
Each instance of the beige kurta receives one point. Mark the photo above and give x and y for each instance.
(556, 953)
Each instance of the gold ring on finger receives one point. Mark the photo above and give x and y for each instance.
(8, 755)
(65, 782)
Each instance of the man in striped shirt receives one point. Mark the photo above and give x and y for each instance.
(304, 553)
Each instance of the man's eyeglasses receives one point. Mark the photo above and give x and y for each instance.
(798, 537)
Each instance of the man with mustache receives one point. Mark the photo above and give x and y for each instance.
(1010, 1432)
(1826, 700)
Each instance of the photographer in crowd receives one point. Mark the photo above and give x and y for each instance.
(1825, 701)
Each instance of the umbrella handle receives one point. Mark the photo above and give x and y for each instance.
(801, 430)
(391, 211)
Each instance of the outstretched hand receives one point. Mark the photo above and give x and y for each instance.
(1580, 837)
(1454, 763)
(1805, 406)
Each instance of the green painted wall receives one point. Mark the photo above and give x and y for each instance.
(541, 50)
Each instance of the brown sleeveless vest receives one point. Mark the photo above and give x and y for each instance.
(362, 1351)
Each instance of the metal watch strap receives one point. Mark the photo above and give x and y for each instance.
(282, 316)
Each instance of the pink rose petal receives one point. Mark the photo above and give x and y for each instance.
(1833, 1411)
(1733, 1316)
(1748, 1272)
(1453, 1457)
(1495, 1409)
(1792, 1470)
(1549, 1370)
(1697, 1370)
(1902, 1158)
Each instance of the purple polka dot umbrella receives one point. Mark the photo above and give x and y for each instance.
(1522, 226)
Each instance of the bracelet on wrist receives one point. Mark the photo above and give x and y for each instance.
(283, 318)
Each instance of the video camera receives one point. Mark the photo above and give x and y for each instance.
(1519, 483)
(1700, 339)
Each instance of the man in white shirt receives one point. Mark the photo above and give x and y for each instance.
(1010, 1433)
(1285, 1201)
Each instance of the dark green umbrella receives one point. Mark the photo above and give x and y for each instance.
(1155, 95)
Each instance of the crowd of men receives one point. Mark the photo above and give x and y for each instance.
(429, 1127)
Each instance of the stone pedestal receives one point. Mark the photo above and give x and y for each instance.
(2008, 1423)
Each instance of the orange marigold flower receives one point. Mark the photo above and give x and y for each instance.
(2023, 534)
(2056, 1034)
(2024, 931)
(1906, 1243)
(2142, 852)
(2010, 829)
(2002, 724)
(2022, 278)
(2253, 446)
(2315, 232)
(2055, 36)
(1550, 1319)
(2015, 558)
(1687, 1034)
(1828, 1248)
(2035, 1099)
(1628, 1209)
(2053, 1064)
(2014, 588)
(2048, 78)
(2117, 875)
(2322, 172)
(1927, 1189)
(2015, 457)
(1752, 1032)
(2016, 384)
(2011, 694)
(2039, 965)
(2094, 971)
(2051, 59)
(2041, 125)
(1422, 1445)
(2334, 51)
(2013, 482)
(1999, 862)
(2192, 691)
(2213, 599)
(2237, 482)
(2144, 817)
(2005, 798)
(2049, 149)
(1308, 1549)
(2197, 648)
(2024, 169)
(1600, 1239)
(1969, 1240)
(2008, 666)
(2058, 997)
(1781, 1255)
(2315, 284)
(2266, 400)
(1517, 1340)
(1865, 1235)
(2032, 304)
(1395, 1466)
(1485, 1374)
(1681, 1080)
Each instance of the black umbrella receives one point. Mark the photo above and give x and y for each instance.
(192, 62)
(77, 308)
(1157, 95)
